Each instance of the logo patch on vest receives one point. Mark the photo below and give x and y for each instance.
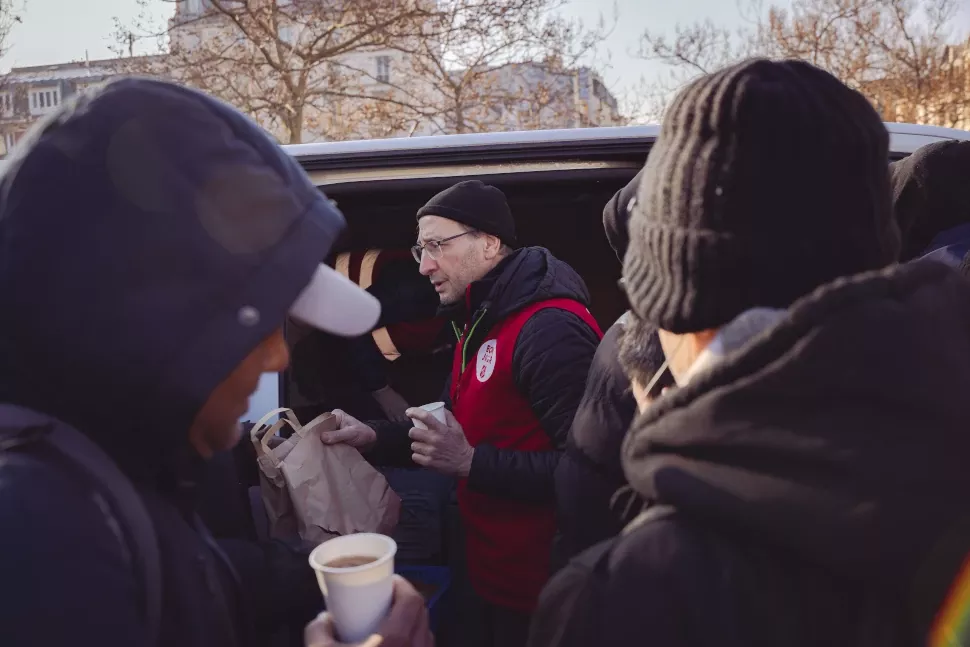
(486, 360)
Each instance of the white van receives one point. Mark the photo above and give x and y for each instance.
(557, 182)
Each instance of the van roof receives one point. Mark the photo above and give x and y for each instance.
(905, 138)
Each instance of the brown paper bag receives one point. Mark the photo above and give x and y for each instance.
(332, 489)
(270, 452)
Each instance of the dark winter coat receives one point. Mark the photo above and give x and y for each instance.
(550, 362)
(280, 592)
(590, 473)
(931, 200)
(810, 487)
(133, 230)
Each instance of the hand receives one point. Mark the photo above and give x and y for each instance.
(442, 447)
(392, 404)
(351, 431)
(406, 624)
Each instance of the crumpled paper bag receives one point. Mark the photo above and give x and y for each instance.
(331, 490)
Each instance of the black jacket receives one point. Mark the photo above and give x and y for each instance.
(550, 362)
(811, 487)
(134, 229)
(280, 592)
(590, 474)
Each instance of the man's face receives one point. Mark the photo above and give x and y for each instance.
(683, 350)
(458, 262)
(216, 426)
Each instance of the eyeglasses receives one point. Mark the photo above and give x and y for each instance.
(433, 247)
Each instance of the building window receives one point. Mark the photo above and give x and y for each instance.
(199, 6)
(288, 34)
(44, 100)
(384, 69)
(6, 103)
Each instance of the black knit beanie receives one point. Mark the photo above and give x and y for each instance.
(616, 215)
(931, 193)
(768, 180)
(477, 205)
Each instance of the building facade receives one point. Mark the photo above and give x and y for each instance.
(363, 93)
(536, 95)
(27, 94)
(943, 91)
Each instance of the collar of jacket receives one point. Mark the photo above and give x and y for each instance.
(732, 337)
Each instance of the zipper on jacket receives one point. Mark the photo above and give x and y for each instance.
(464, 345)
(463, 341)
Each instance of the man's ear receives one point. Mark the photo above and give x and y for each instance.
(493, 247)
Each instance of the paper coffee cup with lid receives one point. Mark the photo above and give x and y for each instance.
(355, 574)
(436, 409)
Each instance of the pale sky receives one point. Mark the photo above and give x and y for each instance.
(57, 31)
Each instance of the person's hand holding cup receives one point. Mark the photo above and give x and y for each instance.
(406, 625)
(439, 441)
(356, 575)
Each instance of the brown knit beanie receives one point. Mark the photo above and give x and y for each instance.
(768, 180)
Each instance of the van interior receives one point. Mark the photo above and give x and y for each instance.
(560, 209)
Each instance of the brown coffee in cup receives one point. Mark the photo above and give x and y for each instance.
(350, 561)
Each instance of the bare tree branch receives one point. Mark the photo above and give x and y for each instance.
(11, 12)
(902, 54)
(362, 68)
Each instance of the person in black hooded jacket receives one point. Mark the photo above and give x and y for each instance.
(589, 473)
(931, 199)
(153, 241)
(525, 343)
(806, 478)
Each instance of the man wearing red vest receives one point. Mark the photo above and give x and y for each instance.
(525, 344)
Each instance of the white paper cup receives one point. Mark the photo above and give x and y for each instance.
(437, 409)
(359, 597)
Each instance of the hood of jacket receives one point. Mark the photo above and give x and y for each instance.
(838, 435)
(931, 195)
(616, 216)
(150, 238)
(526, 276)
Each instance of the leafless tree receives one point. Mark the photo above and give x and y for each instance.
(11, 12)
(497, 65)
(905, 55)
(361, 68)
(277, 59)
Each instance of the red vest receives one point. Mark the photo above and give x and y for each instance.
(405, 337)
(508, 542)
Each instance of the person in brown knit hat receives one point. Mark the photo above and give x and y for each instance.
(767, 180)
(802, 476)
